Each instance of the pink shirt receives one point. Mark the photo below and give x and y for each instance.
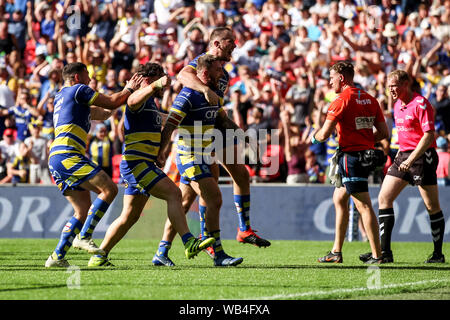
(412, 121)
(442, 169)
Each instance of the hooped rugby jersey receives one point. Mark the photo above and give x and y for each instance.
(142, 129)
(196, 119)
(72, 119)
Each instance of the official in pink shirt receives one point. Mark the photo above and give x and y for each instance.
(415, 164)
(412, 120)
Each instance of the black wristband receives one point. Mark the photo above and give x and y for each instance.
(129, 89)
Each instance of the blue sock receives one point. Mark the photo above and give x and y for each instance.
(242, 203)
(69, 231)
(201, 214)
(185, 237)
(163, 248)
(96, 212)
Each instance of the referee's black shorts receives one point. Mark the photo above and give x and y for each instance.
(421, 173)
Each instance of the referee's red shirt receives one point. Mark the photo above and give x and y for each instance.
(355, 112)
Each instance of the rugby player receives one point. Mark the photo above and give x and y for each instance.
(222, 44)
(76, 104)
(142, 178)
(191, 112)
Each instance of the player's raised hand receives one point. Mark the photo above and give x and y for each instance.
(165, 81)
(135, 82)
(162, 82)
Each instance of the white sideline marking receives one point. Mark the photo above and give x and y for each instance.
(351, 290)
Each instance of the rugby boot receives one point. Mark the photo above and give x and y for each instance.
(249, 236)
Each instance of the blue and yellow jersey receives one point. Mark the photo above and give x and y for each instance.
(394, 139)
(101, 152)
(21, 163)
(22, 118)
(223, 82)
(332, 145)
(195, 116)
(71, 119)
(47, 127)
(142, 133)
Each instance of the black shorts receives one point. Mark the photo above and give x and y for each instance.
(353, 172)
(421, 173)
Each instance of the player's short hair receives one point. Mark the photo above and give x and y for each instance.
(150, 69)
(206, 61)
(219, 33)
(70, 70)
(401, 75)
(344, 68)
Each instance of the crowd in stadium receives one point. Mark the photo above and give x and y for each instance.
(279, 69)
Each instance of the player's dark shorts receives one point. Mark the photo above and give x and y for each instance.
(354, 172)
(421, 173)
(70, 170)
(140, 176)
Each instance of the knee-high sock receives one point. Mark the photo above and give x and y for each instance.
(242, 203)
(201, 214)
(437, 223)
(386, 220)
(217, 246)
(70, 230)
(96, 212)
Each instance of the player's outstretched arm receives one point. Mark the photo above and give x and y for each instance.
(101, 114)
(119, 98)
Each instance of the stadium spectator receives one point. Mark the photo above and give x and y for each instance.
(443, 169)
(100, 149)
(299, 98)
(295, 149)
(441, 102)
(22, 112)
(36, 149)
(314, 170)
(8, 145)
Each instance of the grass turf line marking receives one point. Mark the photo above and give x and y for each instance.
(351, 290)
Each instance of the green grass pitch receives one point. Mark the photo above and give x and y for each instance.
(285, 271)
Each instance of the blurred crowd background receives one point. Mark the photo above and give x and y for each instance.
(279, 70)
